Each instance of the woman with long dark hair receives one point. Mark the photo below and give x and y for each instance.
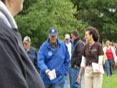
(92, 53)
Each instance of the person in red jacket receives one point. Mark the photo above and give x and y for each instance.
(110, 56)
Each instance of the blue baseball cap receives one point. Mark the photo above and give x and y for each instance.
(53, 31)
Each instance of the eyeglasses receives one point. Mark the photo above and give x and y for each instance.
(66, 39)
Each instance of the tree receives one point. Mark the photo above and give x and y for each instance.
(101, 14)
(27, 4)
(49, 13)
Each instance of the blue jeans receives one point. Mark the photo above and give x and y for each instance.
(66, 85)
(60, 84)
(74, 73)
(68, 79)
(70, 76)
(109, 67)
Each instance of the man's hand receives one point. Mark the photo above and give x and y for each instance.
(47, 71)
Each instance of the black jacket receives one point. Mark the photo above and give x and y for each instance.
(16, 69)
(77, 53)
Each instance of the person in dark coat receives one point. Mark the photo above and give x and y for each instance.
(31, 51)
(16, 69)
(76, 58)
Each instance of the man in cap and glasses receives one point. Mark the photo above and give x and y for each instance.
(69, 44)
(31, 51)
(53, 60)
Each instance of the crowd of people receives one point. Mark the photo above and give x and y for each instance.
(72, 58)
(57, 64)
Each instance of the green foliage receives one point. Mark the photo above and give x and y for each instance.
(27, 4)
(45, 14)
(110, 82)
(99, 14)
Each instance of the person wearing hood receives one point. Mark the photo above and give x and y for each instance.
(16, 68)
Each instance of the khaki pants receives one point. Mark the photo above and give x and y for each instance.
(92, 80)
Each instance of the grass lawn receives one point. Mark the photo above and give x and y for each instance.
(110, 82)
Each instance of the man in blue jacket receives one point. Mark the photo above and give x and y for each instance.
(53, 60)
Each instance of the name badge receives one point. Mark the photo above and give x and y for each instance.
(49, 53)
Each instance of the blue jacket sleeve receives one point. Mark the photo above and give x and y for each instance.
(41, 59)
(67, 60)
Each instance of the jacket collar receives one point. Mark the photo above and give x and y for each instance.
(76, 40)
(48, 43)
